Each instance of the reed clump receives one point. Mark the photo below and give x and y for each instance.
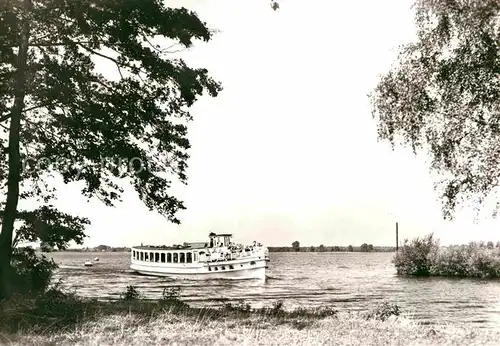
(425, 257)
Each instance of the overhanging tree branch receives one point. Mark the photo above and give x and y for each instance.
(461, 126)
(96, 117)
(118, 65)
(43, 105)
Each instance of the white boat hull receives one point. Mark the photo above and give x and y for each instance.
(258, 273)
(240, 270)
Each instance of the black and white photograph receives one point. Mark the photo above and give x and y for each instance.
(251, 172)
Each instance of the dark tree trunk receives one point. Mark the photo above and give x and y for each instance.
(14, 175)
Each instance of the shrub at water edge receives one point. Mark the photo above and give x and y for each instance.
(425, 257)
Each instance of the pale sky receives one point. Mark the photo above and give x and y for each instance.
(288, 151)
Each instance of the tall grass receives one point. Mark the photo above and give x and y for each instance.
(168, 329)
(425, 257)
(57, 310)
(132, 320)
(61, 318)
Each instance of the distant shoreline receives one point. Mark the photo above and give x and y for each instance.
(271, 249)
(331, 249)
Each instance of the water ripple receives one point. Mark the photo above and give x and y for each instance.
(345, 281)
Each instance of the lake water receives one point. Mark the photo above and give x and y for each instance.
(345, 281)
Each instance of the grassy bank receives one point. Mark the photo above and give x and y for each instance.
(169, 329)
(425, 257)
(62, 318)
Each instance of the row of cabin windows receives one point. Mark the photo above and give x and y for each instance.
(161, 257)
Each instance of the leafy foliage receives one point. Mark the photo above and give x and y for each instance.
(424, 257)
(51, 227)
(79, 119)
(365, 247)
(415, 256)
(443, 96)
(32, 273)
(79, 123)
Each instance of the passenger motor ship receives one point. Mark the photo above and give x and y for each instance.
(219, 258)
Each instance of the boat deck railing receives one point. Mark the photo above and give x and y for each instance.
(220, 256)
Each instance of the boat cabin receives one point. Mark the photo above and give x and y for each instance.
(183, 254)
(172, 255)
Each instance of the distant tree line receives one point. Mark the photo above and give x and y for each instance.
(100, 248)
(322, 248)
